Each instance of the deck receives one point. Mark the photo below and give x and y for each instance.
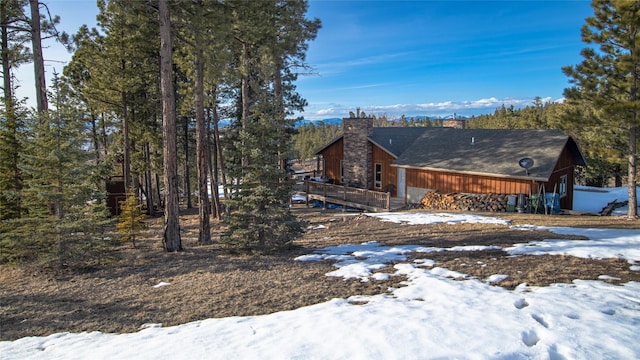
(369, 200)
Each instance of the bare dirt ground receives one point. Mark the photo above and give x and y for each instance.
(208, 282)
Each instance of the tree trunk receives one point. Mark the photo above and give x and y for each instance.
(633, 204)
(94, 137)
(633, 129)
(38, 59)
(187, 169)
(171, 238)
(204, 232)
(246, 88)
(126, 152)
(216, 137)
(279, 105)
(212, 160)
(103, 132)
(246, 99)
(147, 180)
(6, 63)
(158, 192)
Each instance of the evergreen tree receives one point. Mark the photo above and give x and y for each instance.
(311, 137)
(10, 152)
(259, 219)
(202, 34)
(120, 74)
(608, 78)
(63, 213)
(130, 219)
(114, 74)
(269, 35)
(13, 54)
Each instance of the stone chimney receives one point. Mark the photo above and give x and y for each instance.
(455, 123)
(358, 153)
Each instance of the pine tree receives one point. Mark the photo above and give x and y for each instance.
(609, 78)
(260, 219)
(13, 55)
(202, 34)
(11, 179)
(64, 215)
(269, 35)
(130, 219)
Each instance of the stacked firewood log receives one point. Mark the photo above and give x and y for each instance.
(465, 202)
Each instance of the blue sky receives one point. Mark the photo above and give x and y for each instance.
(431, 58)
(439, 57)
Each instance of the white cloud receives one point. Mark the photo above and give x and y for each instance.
(325, 111)
(433, 109)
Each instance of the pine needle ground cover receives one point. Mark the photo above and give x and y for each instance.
(205, 281)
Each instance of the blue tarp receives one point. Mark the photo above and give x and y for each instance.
(552, 201)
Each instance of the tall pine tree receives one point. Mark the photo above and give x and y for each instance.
(608, 78)
(269, 35)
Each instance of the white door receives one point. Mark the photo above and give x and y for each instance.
(401, 183)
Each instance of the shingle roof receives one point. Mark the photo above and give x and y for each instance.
(488, 151)
(396, 140)
(491, 152)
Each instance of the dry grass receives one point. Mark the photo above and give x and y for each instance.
(207, 282)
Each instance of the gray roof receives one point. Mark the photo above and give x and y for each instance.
(395, 140)
(488, 151)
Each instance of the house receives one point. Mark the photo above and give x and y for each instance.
(410, 161)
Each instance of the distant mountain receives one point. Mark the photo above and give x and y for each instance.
(331, 121)
(338, 121)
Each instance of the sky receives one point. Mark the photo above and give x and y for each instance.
(437, 314)
(416, 58)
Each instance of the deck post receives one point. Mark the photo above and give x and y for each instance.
(388, 201)
(306, 193)
(324, 196)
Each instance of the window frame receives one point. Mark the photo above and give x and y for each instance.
(377, 177)
(563, 185)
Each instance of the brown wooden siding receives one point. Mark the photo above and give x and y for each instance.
(332, 156)
(564, 166)
(389, 174)
(448, 182)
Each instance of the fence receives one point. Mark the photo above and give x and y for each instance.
(354, 197)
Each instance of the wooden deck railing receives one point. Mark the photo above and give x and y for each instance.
(348, 195)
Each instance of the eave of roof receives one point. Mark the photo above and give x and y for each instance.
(524, 175)
(383, 148)
(331, 142)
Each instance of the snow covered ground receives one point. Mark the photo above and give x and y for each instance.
(432, 317)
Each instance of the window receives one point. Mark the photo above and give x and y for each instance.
(378, 176)
(563, 186)
(341, 171)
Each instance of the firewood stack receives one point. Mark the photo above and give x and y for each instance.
(435, 200)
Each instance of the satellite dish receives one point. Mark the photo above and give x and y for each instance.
(525, 163)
